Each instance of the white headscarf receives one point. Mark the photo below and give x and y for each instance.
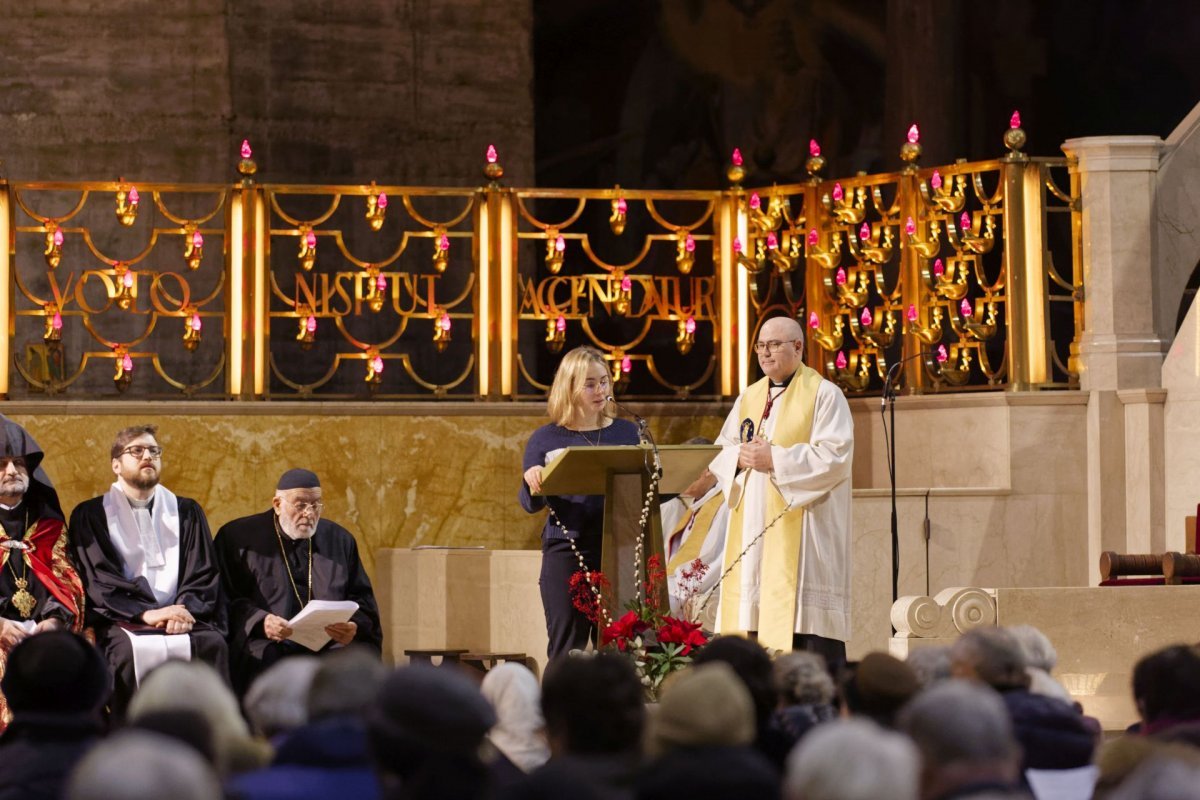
(518, 733)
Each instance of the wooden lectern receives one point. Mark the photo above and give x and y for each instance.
(622, 475)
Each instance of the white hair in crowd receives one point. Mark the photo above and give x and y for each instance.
(931, 664)
(278, 699)
(134, 765)
(1159, 778)
(960, 722)
(852, 759)
(195, 686)
(1038, 650)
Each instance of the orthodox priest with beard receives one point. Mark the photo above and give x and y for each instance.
(148, 566)
(39, 588)
(275, 563)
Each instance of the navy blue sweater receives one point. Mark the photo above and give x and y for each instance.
(583, 515)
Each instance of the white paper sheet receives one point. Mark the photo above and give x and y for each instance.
(152, 649)
(1063, 784)
(308, 627)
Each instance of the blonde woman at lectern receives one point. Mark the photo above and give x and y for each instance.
(581, 415)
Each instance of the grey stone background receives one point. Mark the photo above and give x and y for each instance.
(329, 92)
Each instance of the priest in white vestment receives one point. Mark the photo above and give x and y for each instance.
(693, 526)
(785, 468)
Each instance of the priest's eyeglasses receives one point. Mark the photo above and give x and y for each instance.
(139, 450)
(304, 508)
(773, 346)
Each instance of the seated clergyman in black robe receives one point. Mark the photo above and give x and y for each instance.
(275, 562)
(39, 589)
(147, 562)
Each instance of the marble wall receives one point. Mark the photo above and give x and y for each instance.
(398, 476)
(999, 479)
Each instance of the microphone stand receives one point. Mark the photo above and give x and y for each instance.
(645, 437)
(888, 407)
(888, 412)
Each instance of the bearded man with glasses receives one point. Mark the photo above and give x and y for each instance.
(148, 566)
(785, 466)
(274, 563)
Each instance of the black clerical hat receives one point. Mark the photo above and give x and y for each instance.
(298, 479)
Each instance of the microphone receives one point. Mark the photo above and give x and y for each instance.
(641, 422)
(889, 392)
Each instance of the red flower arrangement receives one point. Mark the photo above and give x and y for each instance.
(658, 643)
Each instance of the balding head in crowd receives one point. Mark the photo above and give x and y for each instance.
(133, 765)
(991, 655)
(852, 759)
(964, 735)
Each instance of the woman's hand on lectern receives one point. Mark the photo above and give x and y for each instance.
(533, 478)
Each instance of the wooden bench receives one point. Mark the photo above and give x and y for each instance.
(486, 661)
(427, 656)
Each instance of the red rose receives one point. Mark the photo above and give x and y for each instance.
(623, 630)
(678, 631)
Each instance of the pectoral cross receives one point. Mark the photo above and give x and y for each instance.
(23, 600)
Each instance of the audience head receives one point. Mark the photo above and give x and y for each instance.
(277, 701)
(135, 765)
(1036, 647)
(346, 683)
(1166, 685)
(56, 672)
(802, 679)
(991, 655)
(425, 731)
(752, 664)
(188, 727)
(877, 687)
(519, 732)
(195, 686)
(1121, 757)
(1160, 778)
(852, 759)
(703, 706)
(964, 734)
(593, 705)
(931, 665)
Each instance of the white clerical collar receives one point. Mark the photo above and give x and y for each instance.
(133, 501)
(12, 507)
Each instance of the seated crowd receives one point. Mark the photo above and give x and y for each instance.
(141, 658)
(962, 722)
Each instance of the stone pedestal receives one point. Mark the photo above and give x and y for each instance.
(460, 598)
(1120, 348)
(1099, 633)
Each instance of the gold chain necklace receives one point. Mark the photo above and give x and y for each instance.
(288, 566)
(22, 600)
(582, 435)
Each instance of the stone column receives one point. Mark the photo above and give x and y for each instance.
(1145, 471)
(1120, 349)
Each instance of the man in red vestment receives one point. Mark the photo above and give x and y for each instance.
(39, 588)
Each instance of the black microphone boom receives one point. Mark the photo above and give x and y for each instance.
(644, 436)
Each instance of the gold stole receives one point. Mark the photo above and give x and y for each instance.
(689, 551)
(793, 412)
